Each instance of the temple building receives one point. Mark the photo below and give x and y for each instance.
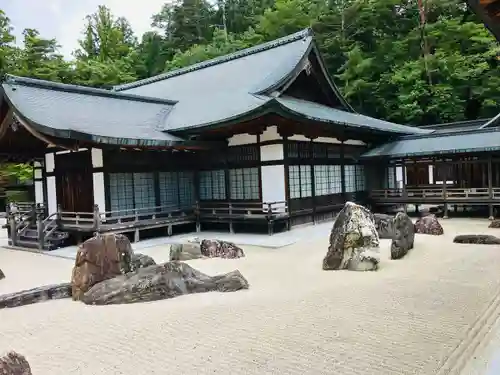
(260, 137)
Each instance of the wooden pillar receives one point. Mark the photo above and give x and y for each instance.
(445, 194)
(313, 180)
(403, 180)
(342, 170)
(490, 188)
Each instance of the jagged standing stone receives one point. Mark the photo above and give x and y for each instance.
(429, 225)
(384, 225)
(221, 249)
(354, 241)
(162, 281)
(480, 239)
(14, 364)
(404, 235)
(100, 258)
(141, 261)
(2, 275)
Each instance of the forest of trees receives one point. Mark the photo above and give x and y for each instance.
(374, 49)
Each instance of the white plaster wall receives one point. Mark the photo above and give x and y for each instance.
(431, 174)
(271, 152)
(299, 137)
(273, 183)
(37, 173)
(270, 134)
(39, 192)
(51, 194)
(97, 161)
(49, 162)
(242, 139)
(399, 176)
(99, 191)
(326, 140)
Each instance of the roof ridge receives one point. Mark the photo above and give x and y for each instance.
(219, 60)
(455, 123)
(435, 134)
(33, 82)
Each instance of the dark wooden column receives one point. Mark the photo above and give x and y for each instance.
(313, 180)
(342, 169)
(403, 178)
(490, 188)
(445, 186)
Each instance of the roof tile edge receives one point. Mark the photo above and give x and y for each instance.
(85, 90)
(219, 60)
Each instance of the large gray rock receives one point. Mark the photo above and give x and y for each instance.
(404, 235)
(162, 281)
(384, 225)
(480, 239)
(14, 364)
(354, 242)
(35, 295)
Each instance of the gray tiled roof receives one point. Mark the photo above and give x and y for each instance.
(222, 88)
(68, 111)
(440, 143)
(323, 113)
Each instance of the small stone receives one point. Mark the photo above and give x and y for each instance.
(383, 223)
(221, 249)
(185, 251)
(494, 224)
(141, 261)
(429, 225)
(14, 364)
(480, 239)
(354, 241)
(2, 275)
(404, 235)
(35, 295)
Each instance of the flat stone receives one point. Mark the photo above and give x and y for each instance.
(159, 282)
(100, 258)
(384, 225)
(14, 364)
(429, 225)
(35, 295)
(354, 241)
(481, 239)
(221, 249)
(186, 251)
(404, 235)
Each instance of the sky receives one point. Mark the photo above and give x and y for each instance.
(64, 19)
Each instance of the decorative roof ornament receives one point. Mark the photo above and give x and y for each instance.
(307, 67)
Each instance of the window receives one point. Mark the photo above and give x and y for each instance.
(121, 193)
(186, 189)
(169, 189)
(299, 180)
(212, 185)
(144, 190)
(360, 178)
(244, 183)
(391, 183)
(328, 179)
(350, 178)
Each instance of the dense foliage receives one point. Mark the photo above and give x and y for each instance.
(374, 49)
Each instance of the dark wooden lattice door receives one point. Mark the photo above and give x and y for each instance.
(75, 187)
